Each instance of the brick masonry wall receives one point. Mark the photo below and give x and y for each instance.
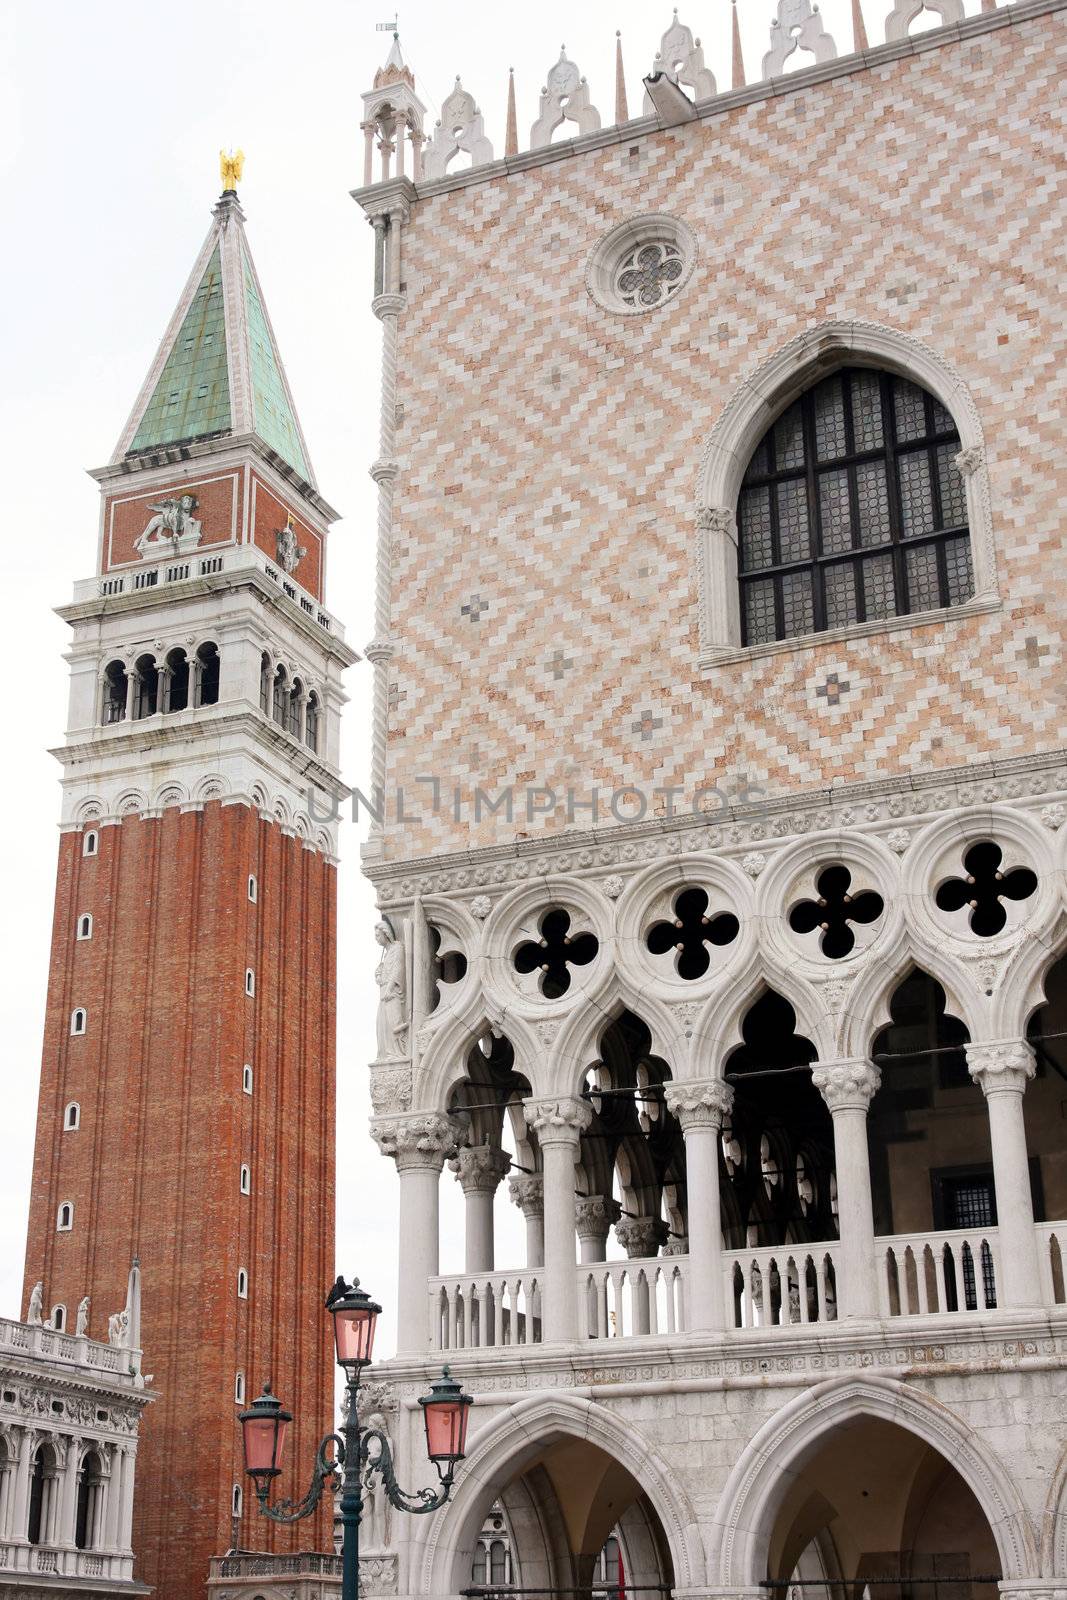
(153, 1170)
(545, 606)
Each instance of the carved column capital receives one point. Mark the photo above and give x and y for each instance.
(527, 1191)
(700, 1105)
(641, 1236)
(594, 1215)
(560, 1121)
(480, 1167)
(847, 1085)
(421, 1141)
(716, 519)
(1003, 1067)
(968, 461)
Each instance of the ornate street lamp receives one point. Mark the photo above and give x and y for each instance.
(264, 1426)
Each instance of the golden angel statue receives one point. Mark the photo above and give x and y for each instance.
(230, 169)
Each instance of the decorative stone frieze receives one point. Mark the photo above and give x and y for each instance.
(847, 1085)
(560, 1121)
(1004, 1067)
(426, 1140)
(700, 1105)
(479, 1168)
(641, 1237)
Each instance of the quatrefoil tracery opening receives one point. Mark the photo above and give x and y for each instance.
(985, 888)
(834, 912)
(650, 274)
(691, 932)
(555, 952)
(448, 965)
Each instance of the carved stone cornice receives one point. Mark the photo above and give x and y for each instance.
(480, 1167)
(527, 1191)
(641, 1237)
(847, 1085)
(595, 1215)
(561, 1121)
(700, 1105)
(423, 1141)
(1003, 1067)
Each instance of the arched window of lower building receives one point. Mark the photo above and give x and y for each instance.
(176, 681)
(296, 704)
(146, 695)
(114, 693)
(266, 683)
(853, 509)
(280, 701)
(311, 722)
(208, 674)
(89, 1519)
(44, 1497)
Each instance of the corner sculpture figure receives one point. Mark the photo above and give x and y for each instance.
(173, 524)
(290, 552)
(392, 997)
(82, 1324)
(117, 1326)
(36, 1306)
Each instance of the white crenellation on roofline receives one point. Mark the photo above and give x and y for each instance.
(678, 65)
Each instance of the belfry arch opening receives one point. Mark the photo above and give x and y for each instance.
(574, 1522)
(873, 1509)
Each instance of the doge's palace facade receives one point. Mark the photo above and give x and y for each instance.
(722, 811)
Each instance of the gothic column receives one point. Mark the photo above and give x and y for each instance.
(527, 1191)
(479, 1169)
(848, 1087)
(419, 1145)
(595, 1215)
(559, 1125)
(700, 1109)
(133, 678)
(1003, 1070)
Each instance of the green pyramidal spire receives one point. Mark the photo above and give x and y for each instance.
(218, 372)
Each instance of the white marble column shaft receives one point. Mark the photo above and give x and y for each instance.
(700, 1108)
(419, 1145)
(848, 1087)
(1003, 1070)
(559, 1125)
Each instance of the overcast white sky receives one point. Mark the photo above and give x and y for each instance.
(111, 116)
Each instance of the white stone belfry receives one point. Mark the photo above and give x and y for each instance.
(798, 26)
(904, 13)
(680, 58)
(565, 98)
(461, 128)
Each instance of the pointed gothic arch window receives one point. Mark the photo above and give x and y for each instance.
(852, 510)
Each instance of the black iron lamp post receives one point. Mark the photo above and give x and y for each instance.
(266, 1422)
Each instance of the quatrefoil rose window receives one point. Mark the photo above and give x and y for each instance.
(649, 275)
(837, 914)
(690, 932)
(986, 890)
(641, 265)
(555, 952)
